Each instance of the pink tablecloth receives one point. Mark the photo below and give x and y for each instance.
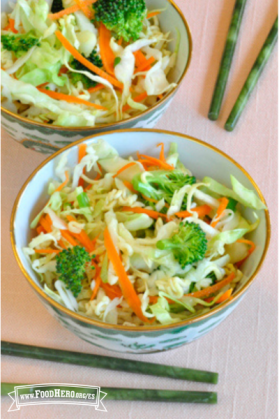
(243, 348)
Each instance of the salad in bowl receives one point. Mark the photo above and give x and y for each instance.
(84, 63)
(140, 241)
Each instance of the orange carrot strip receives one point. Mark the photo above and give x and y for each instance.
(112, 291)
(157, 162)
(129, 186)
(46, 223)
(81, 4)
(140, 58)
(96, 88)
(150, 213)
(106, 52)
(162, 155)
(81, 154)
(69, 10)
(147, 65)
(66, 44)
(40, 229)
(212, 289)
(223, 205)
(128, 290)
(70, 99)
(82, 236)
(67, 236)
(46, 251)
(223, 297)
(160, 97)
(119, 42)
(62, 185)
(132, 163)
(63, 70)
(252, 244)
(152, 14)
(138, 98)
(202, 210)
(11, 26)
(96, 288)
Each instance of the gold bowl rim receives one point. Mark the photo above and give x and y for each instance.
(102, 325)
(115, 125)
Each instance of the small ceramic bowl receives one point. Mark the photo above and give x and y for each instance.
(49, 138)
(203, 160)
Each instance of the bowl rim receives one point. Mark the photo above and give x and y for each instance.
(102, 325)
(115, 125)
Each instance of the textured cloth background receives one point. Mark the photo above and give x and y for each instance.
(243, 348)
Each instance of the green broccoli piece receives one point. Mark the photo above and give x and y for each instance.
(162, 184)
(70, 265)
(123, 17)
(188, 245)
(76, 77)
(19, 42)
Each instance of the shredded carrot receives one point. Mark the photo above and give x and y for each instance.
(119, 42)
(66, 44)
(162, 155)
(152, 14)
(71, 99)
(82, 237)
(69, 10)
(156, 162)
(128, 290)
(223, 205)
(81, 154)
(96, 88)
(63, 70)
(251, 250)
(160, 96)
(60, 187)
(112, 291)
(146, 66)
(67, 236)
(96, 288)
(106, 52)
(223, 297)
(83, 6)
(42, 85)
(132, 163)
(138, 98)
(40, 230)
(213, 288)
(202, 210)
(139, 58)
(252, 244)
(150, 213)
(11, 26)
(129, 186)
(46, 251)
(46, 223)
(154, 200)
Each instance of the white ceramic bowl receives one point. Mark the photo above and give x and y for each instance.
(49, 138)
(203, 160)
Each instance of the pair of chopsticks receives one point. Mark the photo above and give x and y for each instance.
(225, 66)
(120, 364)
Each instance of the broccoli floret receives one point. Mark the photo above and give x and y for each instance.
(70, 265)
(76, 77)
(123, 17)
(188, 245)
(19, 42)
(162, 184)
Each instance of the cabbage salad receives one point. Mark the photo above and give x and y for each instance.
(139, 241)
(83, 63)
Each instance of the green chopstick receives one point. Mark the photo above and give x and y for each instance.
(134, 394)
(98, 361)
(226, 61)
(253, 77)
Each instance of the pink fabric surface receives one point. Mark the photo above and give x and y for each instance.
(243, 349)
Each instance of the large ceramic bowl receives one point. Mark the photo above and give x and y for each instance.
(202, 159)
(48, 139)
